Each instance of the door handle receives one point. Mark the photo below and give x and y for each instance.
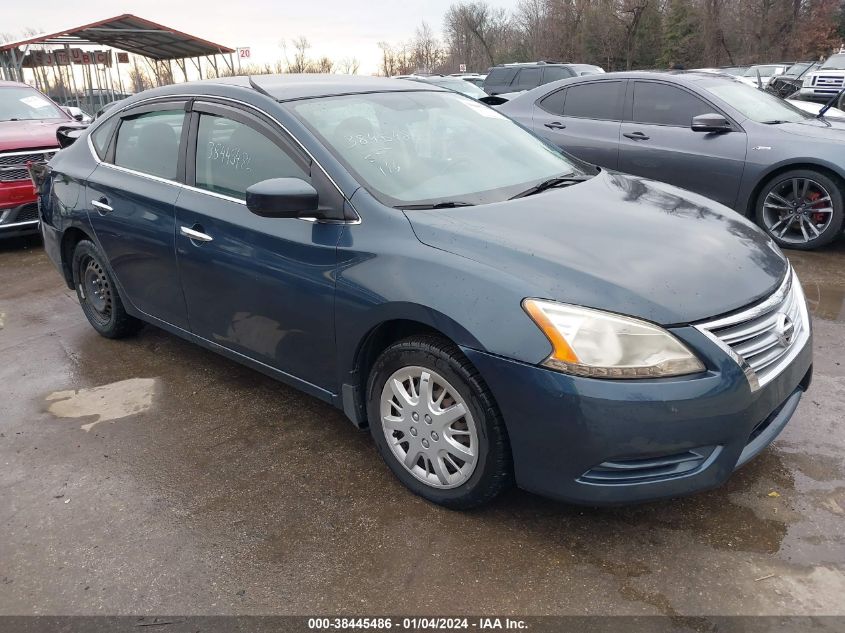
(636, 136)
(194, 235)
(555, 125)
(101, 206)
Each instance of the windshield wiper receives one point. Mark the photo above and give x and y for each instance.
(829, 104)
(449, 204)
(775, 122)
(558, 181)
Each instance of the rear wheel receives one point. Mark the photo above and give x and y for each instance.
(435, 424)
(801, 209)
(97, 293)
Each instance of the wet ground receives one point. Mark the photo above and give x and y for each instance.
(150, 475)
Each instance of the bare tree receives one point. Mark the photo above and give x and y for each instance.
(348, 66)
(395, 60)
(426, 52)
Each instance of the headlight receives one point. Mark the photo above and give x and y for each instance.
(600, 344)
(808, 81)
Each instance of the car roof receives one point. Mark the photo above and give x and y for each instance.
(674, 76)
(289, 87)
(8, 84)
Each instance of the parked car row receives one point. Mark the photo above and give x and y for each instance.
(492, 307)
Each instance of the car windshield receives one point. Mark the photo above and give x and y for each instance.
(430, 148)
(765, 71)
(755, 104)
(796, 69)
(18, 103)
(459, 85)
(834, 62)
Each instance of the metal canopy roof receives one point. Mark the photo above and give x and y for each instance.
(130, 33)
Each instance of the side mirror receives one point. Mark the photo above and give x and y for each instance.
(493, 100)
(710, 123)
(66, 135)
(282, 198)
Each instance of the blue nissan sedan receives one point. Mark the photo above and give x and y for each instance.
(493, 309)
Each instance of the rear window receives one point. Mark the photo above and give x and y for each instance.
(527, 79)
(553, 73)
(594, 100)
(102, 135)
(149, 143)
(553, 103)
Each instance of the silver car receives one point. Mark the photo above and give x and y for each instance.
(707, 133)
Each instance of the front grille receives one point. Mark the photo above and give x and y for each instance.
(765, 338)
(828, 81)
(13, 164)
(27, 213)
(647, 469)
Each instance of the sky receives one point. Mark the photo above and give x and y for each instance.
(335, 28)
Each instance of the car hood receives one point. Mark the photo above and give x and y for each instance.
(617, 243)
(828, 130)
(15, 135)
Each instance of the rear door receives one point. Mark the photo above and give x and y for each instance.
(261, 287)
(584, 120)
(657, 142)
(130, 200)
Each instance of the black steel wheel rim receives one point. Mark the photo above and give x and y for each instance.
(97, 290)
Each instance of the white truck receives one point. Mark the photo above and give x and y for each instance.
(825, 83)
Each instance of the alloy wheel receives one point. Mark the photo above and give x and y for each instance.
(797, 210)
(429, 427)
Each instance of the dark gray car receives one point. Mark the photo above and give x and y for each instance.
(706, 133)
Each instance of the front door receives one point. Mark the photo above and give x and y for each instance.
(130, 199)
(261, 287)
(659, 143)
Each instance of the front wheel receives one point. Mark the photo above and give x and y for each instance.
(801, 209)
(436, 425)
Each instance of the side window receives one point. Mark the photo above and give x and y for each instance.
(527, 79)
(553, 73)
(101, 137)
(149, 143)
(662, 104)
(500, 76)
(231, 156)
(553, 103)
(594, 100)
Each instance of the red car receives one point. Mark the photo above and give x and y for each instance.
(28, 123)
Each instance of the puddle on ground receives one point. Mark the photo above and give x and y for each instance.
(107, 402)
(826, 301)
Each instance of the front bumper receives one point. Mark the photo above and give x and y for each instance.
(18, 209)
(818, 95)
(602, 442)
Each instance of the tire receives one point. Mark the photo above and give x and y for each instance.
(97, 293)
(801, 209)
(454, 483)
